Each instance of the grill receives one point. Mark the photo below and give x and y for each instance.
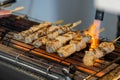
(38, 62)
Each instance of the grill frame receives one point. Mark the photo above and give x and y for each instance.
(8, 41)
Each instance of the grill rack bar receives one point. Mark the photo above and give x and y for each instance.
(75, 58)
(10, 40)
(28, 67)
(13, 23)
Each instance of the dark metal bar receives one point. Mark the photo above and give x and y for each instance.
(30, 67)
(118, 28)
(99, 15)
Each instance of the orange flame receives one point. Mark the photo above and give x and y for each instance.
(94, 33)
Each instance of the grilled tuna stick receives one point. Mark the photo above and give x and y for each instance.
(103, 49)
(63, 30)
(75, 45)
(33, 29)
(59, 41)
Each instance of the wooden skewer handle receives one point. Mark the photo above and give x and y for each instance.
(76, 24)
(58, 22)
(115, 40)
(17, 9)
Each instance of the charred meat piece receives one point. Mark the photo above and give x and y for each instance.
(30, 31)
(75, 45)
(54, 45)
(103, 49)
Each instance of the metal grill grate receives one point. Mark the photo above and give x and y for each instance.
(100, 68)
(54, 63)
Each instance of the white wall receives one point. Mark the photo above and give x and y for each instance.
(110, 25)
(70, 11)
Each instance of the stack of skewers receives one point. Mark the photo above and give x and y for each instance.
(56, 38)
(63, 40)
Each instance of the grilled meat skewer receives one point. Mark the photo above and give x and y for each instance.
(103, 49)
(33, 29)
(52, 30)
(44, 40)
(53, 45)
(40, 33)
(63, 30)
(43, 32)
(75, 45)
(40, 42)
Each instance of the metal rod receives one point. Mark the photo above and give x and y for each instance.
(88, 77)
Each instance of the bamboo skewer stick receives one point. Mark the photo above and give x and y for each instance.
(115, 40)
(76, 24)
(101, 30)
(17, 9)
(58, 22)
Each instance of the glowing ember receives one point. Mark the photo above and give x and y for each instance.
(94, 33)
